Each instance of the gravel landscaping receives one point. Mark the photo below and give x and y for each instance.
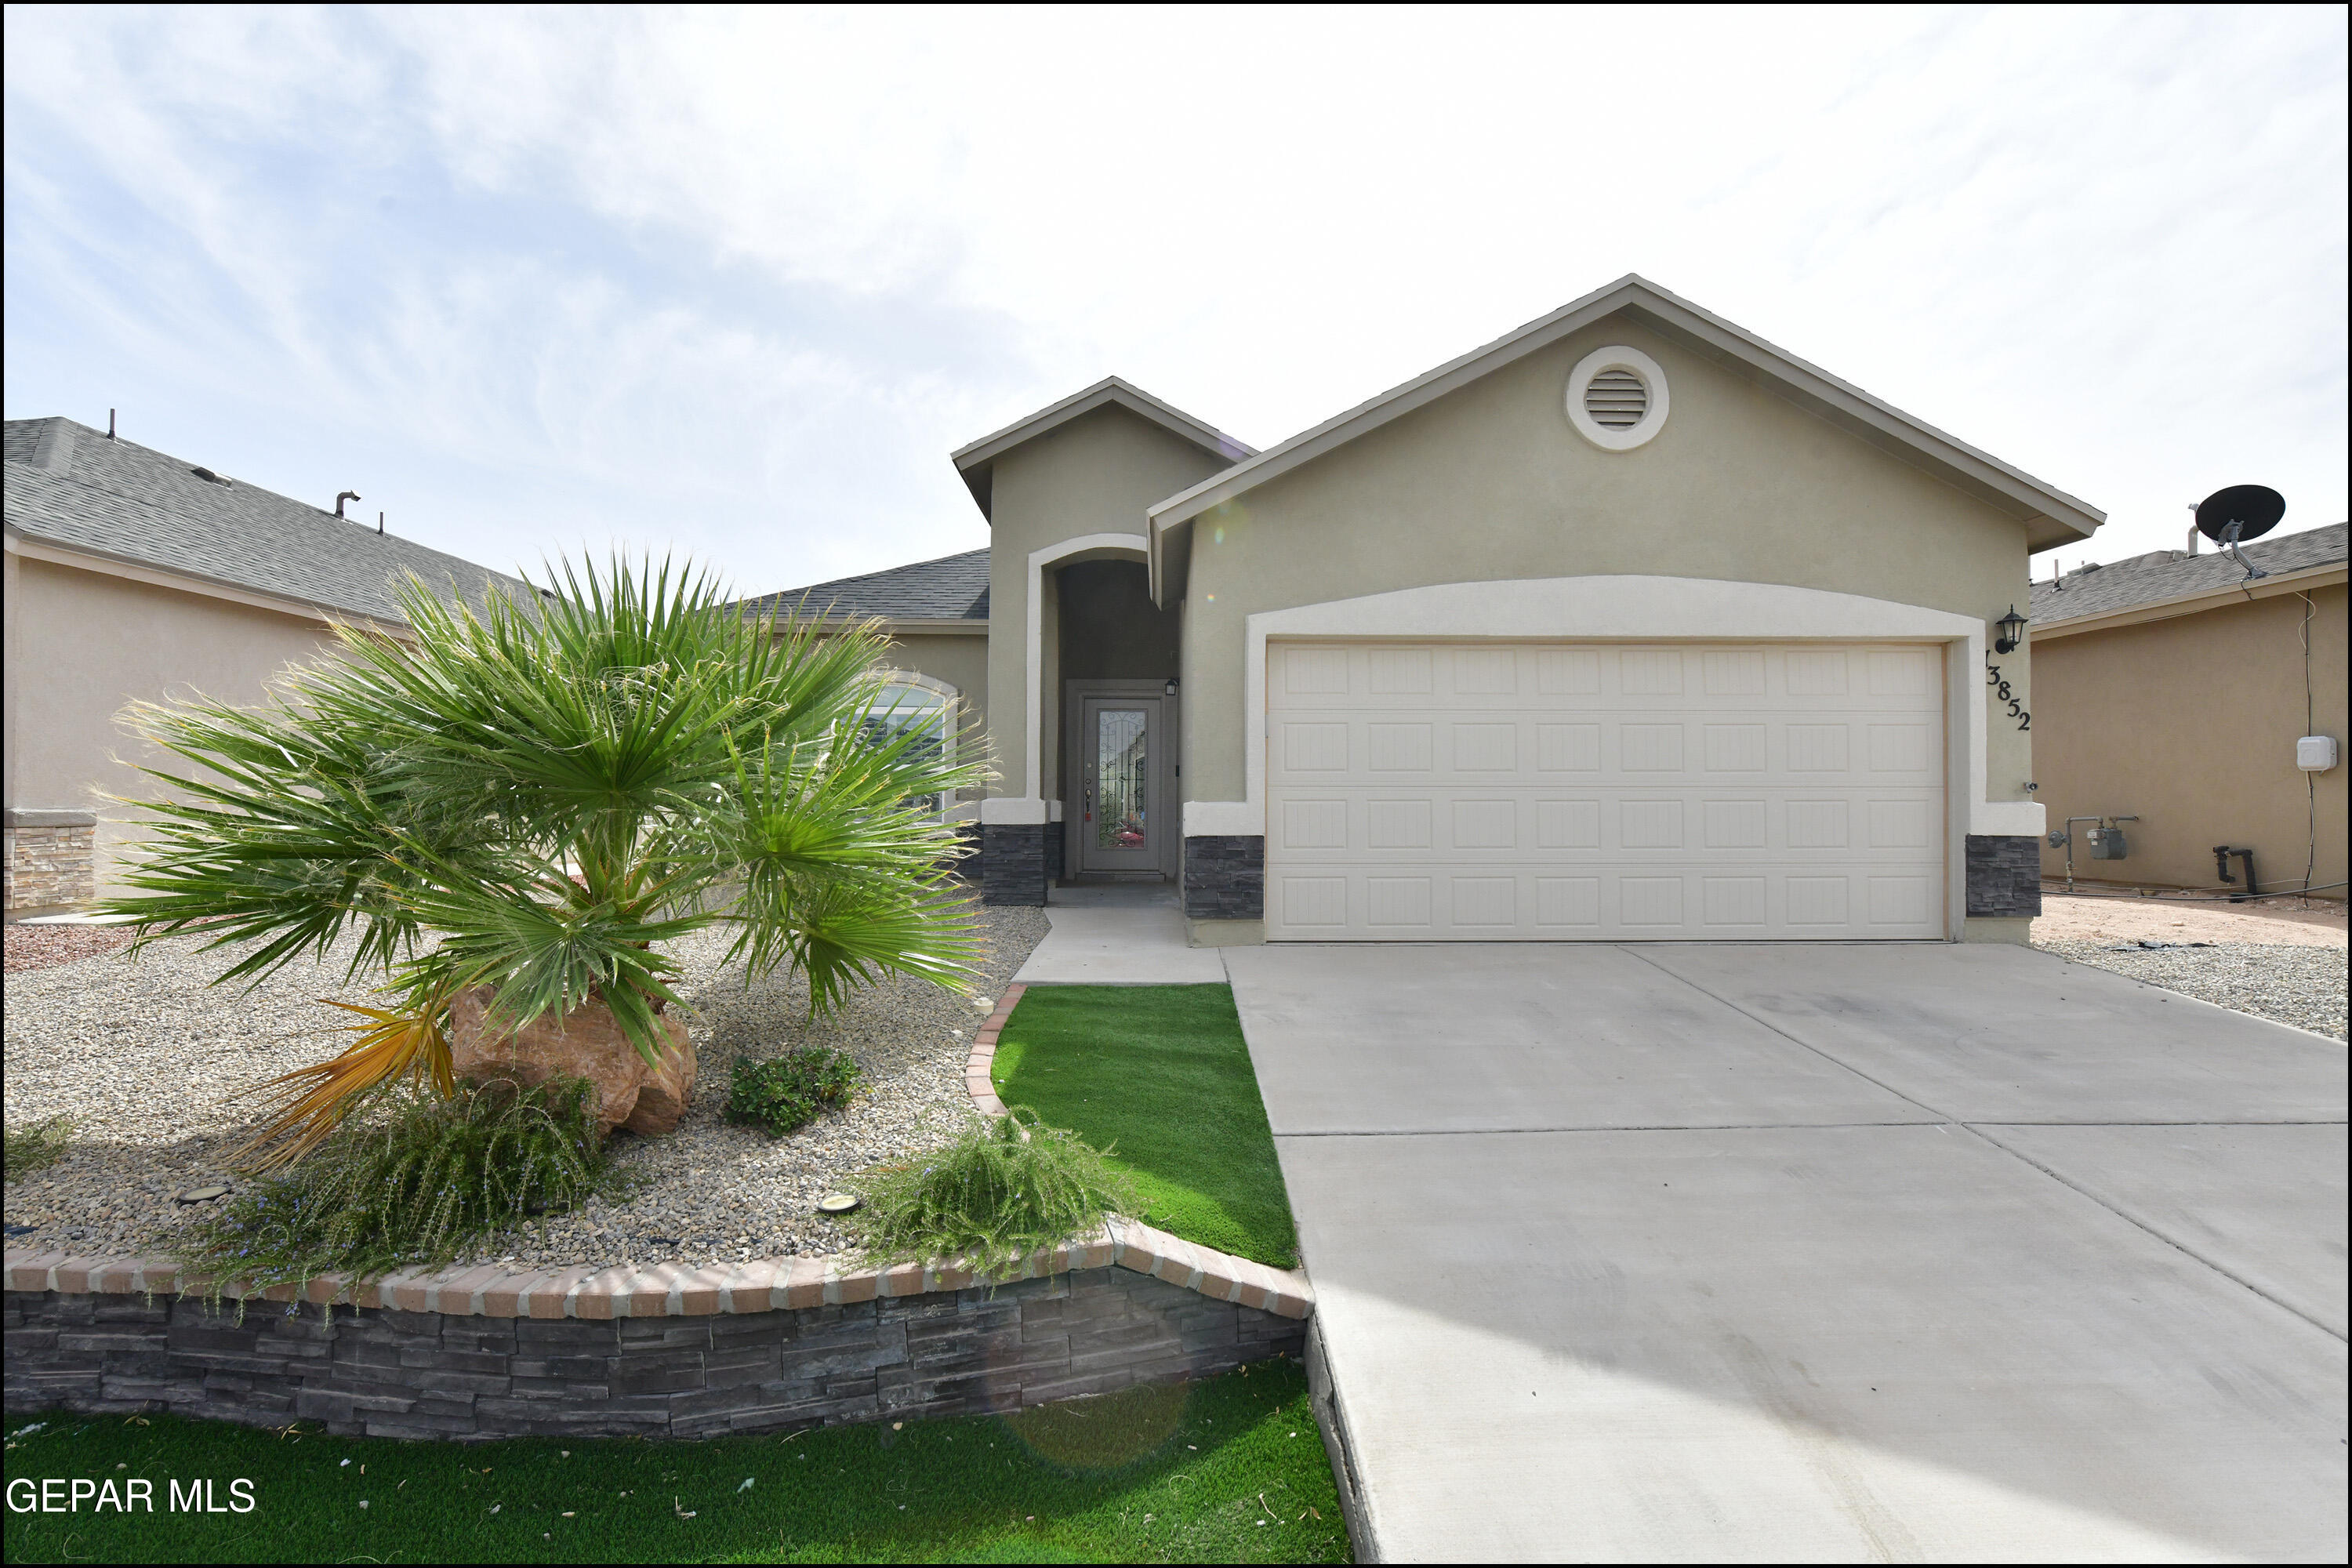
(2302, 985)
(2283, 960)
(32, 947)
(144, 1058)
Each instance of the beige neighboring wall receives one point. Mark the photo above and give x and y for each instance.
(1492, 482)
(2189, 723)
(81, 644)
(1094, 475)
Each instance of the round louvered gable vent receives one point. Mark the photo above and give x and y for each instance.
(1617, 398)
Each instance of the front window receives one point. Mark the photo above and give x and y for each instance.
(897, 710)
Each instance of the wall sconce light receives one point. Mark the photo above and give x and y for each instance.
(2012, 631)
(1168, 689)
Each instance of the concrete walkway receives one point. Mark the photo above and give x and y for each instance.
(1118, 933)
(1712, 1253)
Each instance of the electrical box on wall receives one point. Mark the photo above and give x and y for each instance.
(2316, 753)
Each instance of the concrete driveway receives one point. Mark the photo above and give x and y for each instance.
(1704, 1254)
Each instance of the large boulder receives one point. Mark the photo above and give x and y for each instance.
(586, 1042)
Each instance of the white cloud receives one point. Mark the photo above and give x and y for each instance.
(739, 279)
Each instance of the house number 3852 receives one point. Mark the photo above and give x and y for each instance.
(2001, 693)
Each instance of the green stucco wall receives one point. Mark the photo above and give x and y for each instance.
(1097, 474)
(1493, 482)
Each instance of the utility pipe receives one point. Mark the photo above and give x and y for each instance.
(2066, 837)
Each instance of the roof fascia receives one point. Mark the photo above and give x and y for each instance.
(2326, 575)
(973, 459)
(110, 565)
(933, 625)
(2053, 517)
(965, 624)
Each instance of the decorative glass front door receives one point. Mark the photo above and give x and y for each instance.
(1121, 824)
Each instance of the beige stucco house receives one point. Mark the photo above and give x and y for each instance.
(2171, 688)
(133, 574)
(1626, 625)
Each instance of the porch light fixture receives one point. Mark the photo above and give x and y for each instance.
(2012, 631)
(1168, 689)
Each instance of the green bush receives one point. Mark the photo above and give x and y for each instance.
(412, 1188)
(31, 1150)
(1004, 1190)
(784, 1094)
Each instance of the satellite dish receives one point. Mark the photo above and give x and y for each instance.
(2241, 513)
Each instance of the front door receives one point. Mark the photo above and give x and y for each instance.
(1120, 821)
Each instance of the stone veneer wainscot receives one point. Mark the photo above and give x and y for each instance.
(2004, 876)
(1012, 862)
(1225, 876)
(52, 858)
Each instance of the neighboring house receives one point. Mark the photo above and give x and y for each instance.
(1626, 625)
(2172, 688)
(132, 574)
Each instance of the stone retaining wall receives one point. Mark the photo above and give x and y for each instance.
(663, 1351)
(660, 1350)
(387, 1372)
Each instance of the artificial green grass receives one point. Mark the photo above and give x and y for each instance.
(1160, 1071)
(1231, 1469)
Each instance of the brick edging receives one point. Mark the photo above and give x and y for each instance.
(977, 1066)
(1158, 1253)
(667, 1289)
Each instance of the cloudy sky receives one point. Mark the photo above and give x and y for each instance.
(736, 282)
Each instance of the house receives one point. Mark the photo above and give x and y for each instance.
(2172, 689)
(1626, 625)
(133, 574)
(936, 613)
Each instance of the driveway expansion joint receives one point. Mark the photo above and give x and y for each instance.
(1976, 1130)
(1811, 1340)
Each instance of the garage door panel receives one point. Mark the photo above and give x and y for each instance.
(1548, 792)
(1652, 679)
(1444, 748)
(1551, 825)
(1451, 902)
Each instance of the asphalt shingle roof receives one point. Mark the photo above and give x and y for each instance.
(2169, 573)
(69, 485)
(951, 588)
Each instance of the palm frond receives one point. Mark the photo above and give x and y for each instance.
(534, 795)
(310, 1103)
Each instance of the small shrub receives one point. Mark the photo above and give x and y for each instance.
(1001, 1191)
(786, 1094)
(31, 1150)
(412, 1188)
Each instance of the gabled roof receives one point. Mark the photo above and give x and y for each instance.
(973, 461)
(2171, 577)
(951, 588)
(72, 487)
(2052, 517)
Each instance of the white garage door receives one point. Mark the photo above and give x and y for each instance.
(1537, 792)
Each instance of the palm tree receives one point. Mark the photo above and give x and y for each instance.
(551, 788)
